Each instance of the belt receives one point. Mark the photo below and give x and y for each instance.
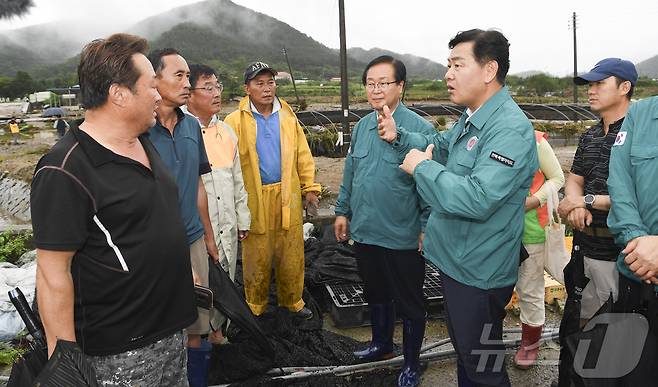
(598, 232)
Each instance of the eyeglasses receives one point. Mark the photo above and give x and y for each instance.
(370, 86)
(210, 88)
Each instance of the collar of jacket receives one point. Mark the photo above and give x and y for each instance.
(245, 105)
(400, 110)
(213, 120)
(484, 112)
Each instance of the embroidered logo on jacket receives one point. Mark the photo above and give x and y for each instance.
(502, 159)
(471, 143)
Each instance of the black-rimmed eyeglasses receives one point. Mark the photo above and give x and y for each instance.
(370, 86)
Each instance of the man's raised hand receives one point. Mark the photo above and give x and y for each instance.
(386, 125)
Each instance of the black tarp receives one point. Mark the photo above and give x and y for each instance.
(328, 261)
(67, 366)
(230, 301)
(297, 343)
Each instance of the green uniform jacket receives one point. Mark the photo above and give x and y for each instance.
(633, 178)
(476, 186)
(378, 197)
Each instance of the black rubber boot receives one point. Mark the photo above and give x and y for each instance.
(382, 317)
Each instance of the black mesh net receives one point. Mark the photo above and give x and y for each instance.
(297, 343)
(328, 261)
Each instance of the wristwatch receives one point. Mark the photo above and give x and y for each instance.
(589, 201)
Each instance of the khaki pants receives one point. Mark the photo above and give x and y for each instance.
(530, 286)
(199, 260)
(603, 281)
(278, 248)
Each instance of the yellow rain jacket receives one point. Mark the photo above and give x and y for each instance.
(275, 236)
(297, 166)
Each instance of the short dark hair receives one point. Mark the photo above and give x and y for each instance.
(488, 45)
(629, 95)
(155, 57)
(200, 70)
(398, 66)
(104, 62)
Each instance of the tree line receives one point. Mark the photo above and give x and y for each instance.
(535, 86)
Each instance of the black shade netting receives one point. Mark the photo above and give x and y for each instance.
(296, 343)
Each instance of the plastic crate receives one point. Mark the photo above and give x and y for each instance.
(432, 284)
(350, 309)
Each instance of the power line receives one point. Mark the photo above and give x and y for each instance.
(574, 26)
(344, 98)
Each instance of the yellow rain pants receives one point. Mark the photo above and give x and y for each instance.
(278, 248)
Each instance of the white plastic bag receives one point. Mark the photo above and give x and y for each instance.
(10, 277)
(308, 230)
(556, 255)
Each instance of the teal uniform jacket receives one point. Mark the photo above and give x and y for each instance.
(376, 195)
(633, 178)
(476, 186)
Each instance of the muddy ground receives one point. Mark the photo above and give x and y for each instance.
(443, 373)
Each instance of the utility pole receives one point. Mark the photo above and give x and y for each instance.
(343, 76)
(574, 25)
(292, 78)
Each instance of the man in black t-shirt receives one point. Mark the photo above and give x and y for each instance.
(586, 202)
(113, 266)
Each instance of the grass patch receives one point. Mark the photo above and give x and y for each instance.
(41, 149)
(13, 245)
(9, 354)
(323, 143)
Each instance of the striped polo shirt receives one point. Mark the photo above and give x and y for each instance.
(591, 161)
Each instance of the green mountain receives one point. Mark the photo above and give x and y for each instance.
(28, 48)
(15, 57)
(648, 67)
(220, 33)
(228, 35)
(417, 67)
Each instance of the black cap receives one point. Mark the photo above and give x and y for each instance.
(256, 68)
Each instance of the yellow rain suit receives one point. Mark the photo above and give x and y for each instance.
(275, 236)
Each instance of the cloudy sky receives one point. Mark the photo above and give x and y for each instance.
(539, 32)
